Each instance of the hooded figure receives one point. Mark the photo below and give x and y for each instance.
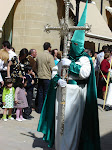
(81, 126)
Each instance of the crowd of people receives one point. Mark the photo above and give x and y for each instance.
(102, 61)
(19, 74)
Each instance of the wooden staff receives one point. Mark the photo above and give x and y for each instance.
(108, 78)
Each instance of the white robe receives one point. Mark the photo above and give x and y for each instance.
(109, 95)
(74, 108)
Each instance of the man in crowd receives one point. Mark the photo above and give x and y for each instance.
(45, 63)
(31, 57)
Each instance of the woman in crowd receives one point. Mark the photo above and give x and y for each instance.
(4, 57)
(16, 67)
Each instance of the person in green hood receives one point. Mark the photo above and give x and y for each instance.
(81, 124)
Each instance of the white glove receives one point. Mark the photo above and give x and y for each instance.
(109, 70)
(65, 62)
(62, 83)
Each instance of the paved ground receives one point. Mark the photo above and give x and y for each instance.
(23, 135)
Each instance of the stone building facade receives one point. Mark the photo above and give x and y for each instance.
(24, 27)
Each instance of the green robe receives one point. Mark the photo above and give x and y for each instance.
(89, 139)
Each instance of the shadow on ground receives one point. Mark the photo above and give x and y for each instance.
(106, 142)
(38, 142)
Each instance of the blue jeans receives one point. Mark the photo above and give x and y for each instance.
(43, 85)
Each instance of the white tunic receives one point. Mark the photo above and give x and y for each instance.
(109, 94)
(74, 108)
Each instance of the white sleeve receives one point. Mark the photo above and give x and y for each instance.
(1, 77)
(1, 64)
(54, 71)
(85, 67)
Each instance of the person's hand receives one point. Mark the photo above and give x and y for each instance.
(62, 83)
(65, 62)
(33, 74)
(16, 102)
(25, 93)
(32, 82)
(4, 103)
(2, 83)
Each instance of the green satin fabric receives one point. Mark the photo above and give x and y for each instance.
(47, 118)
(74, 68)
(90, 139)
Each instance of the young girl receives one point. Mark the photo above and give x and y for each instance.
(8, 99)
(20, 98)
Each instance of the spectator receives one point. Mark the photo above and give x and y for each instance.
(59, 55)
(31, 57)
(6, 45)
(100, 57)
(16, 67)
(29, 90)
(94, 59)
(104, 67)
(54, 54)
(8, 99)
(20, 98)
(89, 52)
(45, 63)
(4, 57)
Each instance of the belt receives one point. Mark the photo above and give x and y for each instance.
(78, 82)
(3, 71)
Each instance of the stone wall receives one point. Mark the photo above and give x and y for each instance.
(30, 17)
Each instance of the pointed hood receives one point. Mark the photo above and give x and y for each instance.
(77, 41)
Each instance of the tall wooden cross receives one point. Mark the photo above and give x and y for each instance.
(66, 29)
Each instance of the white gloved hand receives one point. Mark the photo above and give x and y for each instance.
(109, 70)
(62, 83)
(65, 62)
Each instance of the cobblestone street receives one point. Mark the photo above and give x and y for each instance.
(23, 135)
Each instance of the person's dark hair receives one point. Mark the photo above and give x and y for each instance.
(28, 68)
(23, 52)
(6, 44)
(46, 45)
(105, 49)
(53, 52)
(7, 81)
(19, 82)
(110, 48)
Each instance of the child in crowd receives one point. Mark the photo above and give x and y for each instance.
(20, 98)
(8, 99)
(29, 90)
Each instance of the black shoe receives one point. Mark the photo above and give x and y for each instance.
(38, 111)
(107, 108)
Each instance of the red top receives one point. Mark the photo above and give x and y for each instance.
(105, 65)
